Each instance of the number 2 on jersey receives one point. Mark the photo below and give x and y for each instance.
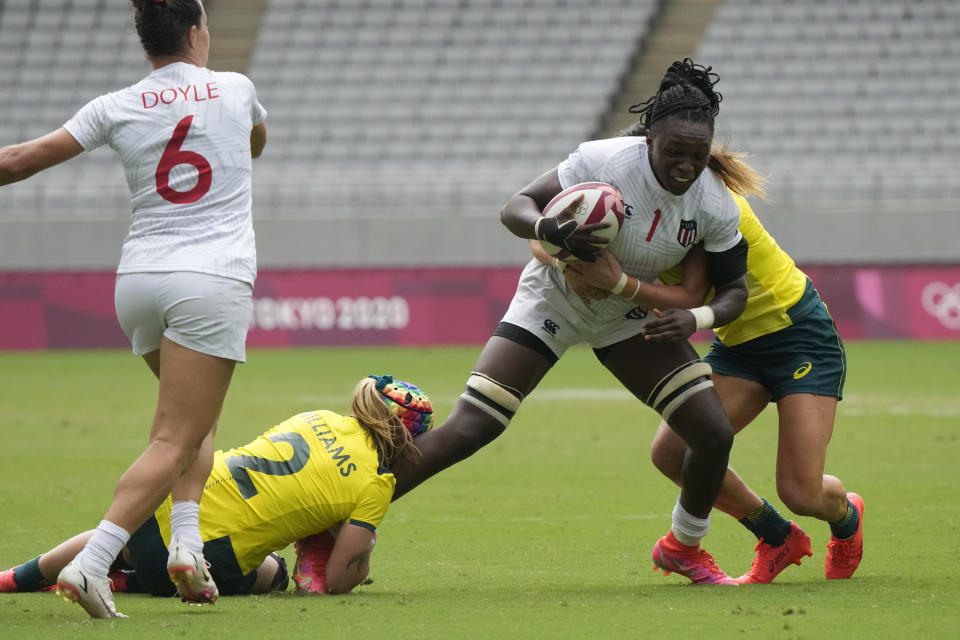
(172, 156)
(241, 466)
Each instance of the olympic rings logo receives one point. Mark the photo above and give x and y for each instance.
(943, 303)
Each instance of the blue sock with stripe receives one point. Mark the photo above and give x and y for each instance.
(767, 523)
(847, 525)
(29, 577)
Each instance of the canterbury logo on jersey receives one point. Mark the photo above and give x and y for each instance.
(687, 233)
(803, 370)
(550, 327)
(637, 313)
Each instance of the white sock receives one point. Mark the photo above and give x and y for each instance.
(185, 524)
(688, 529)
(102, 549)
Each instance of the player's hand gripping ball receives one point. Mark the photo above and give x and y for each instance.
(601, 203)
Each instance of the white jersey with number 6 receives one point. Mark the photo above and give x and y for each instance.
(183, 135)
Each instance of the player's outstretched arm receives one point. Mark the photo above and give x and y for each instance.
(350, 560)
(20, 161)
(606, 275)
(726, 270)
(583, 289)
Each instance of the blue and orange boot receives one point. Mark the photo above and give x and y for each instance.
(770, 560)
(843, 556)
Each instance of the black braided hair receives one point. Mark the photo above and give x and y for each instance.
(686, 91)
(163, 24)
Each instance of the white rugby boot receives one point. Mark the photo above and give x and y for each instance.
(190, 572)
(93, 594)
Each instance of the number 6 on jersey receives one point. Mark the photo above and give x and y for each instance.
(172, 156)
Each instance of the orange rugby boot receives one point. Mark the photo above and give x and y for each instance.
(670, 556)
(770, 561)
(843, 556)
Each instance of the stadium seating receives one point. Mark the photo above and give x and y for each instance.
(437, 110)
(849, 103)
(57, 56)
(454, 104)
(430, 108)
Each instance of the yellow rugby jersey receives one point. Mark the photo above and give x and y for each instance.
(303, 476)
(774, 283)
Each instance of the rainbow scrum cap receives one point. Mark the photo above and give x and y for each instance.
(407, 402)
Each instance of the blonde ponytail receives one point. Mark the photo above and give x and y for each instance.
(390, 438)
(729, 166)
(736, 174)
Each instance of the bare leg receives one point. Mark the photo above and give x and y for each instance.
(468, 428)
(192, 388)
(806, 425)
(191, 483)
(53, 561)
(265, 574)
(743, 400)
(700, 421)
(191, 391)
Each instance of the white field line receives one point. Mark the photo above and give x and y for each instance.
(401, 518)
(397, 517)
(852, 404)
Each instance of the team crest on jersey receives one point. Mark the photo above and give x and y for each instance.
(687, 233)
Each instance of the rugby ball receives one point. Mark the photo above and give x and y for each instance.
(601, 203)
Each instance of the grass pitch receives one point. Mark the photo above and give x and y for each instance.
(545, 533)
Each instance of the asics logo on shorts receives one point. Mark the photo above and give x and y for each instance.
(637, 313)
(803, 370)
(550, 327)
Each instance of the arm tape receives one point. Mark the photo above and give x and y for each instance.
(621, 283)
(726, 266)
(704, 316)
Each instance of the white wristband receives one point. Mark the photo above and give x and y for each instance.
(621, 283)
(559, 264)
(704, 316)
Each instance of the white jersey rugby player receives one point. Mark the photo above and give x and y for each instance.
(183, 135)
(658, 230)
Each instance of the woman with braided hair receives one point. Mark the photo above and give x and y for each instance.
(783, 349)
(673, 201)
(186, 136)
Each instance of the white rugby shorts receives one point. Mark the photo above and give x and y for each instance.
(205, 313)
(547, 308)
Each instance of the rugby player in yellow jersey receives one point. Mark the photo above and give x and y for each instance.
(783, 348)
(315, 472)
